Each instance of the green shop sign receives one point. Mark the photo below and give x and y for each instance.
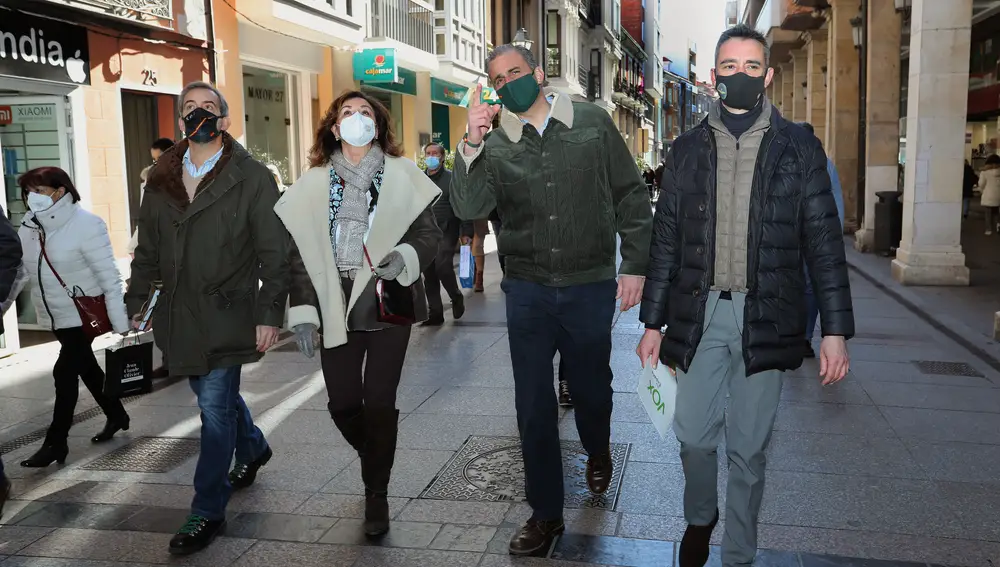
(447, 93)
(376, 65)
(406, 84)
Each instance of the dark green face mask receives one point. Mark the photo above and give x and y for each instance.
(518, 95)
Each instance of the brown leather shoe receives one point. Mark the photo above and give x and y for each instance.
(565, 400)
(535, 537)
(600, 468)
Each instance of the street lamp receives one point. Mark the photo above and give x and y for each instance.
(856, 31)
(521, 39)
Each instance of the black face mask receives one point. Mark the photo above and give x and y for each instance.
(739, 91)
(201, 126)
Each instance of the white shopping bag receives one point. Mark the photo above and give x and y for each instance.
(466, 272)
(658, 394)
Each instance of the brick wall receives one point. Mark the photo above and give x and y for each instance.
(633, 15)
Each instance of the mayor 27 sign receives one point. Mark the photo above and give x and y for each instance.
(39, 48)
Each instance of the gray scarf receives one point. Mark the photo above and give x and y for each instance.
(351, 223)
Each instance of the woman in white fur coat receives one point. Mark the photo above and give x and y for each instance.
(77, 244)
(359, 194)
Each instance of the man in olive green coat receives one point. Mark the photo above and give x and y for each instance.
(561, 178)
(209, 237)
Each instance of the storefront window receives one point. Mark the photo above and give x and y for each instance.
(270, 100)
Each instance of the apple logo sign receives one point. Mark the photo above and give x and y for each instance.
(75, 69)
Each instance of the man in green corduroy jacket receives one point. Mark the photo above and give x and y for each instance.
(566, 187)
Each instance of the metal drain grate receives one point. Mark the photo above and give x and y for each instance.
(490, 469)
(947, 368)
(147, 455)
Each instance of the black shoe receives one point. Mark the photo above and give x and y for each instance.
(694, 545)
(243, 475)
(196, 534)
(110, 428)
(45, 456)
(5, 486)
(564, 398)
(458, 307)
(600, 469)
(535, 537)
(807, 350)
(376, 514)
(160, 372)
(433, 321)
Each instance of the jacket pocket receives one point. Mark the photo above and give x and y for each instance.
(231, 322)
(582, 149)
(510, 166)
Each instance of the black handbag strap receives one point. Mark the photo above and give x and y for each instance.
(53, 270)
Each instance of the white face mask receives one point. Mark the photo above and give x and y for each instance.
(38, 202)
(357, 130)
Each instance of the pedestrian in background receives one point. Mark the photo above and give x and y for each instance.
(989, 181)
(745, 197)
(812, 306)
(362, 212)
(67, 250)
(441, 272)
(208, 234)
(155, 151)
(562, 179)
(10, 266)
(969, 182)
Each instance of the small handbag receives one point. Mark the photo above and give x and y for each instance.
(93, 310)
(396, 304)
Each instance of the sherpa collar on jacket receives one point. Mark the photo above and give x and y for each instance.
(167, 175)
(562, 110)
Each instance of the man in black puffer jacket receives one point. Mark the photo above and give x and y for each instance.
(745, 199)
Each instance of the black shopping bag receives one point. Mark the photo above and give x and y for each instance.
(129, 369)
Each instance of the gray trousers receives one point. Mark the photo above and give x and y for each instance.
(716, 372)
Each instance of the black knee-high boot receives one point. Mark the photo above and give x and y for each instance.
(381, 427)
(351, 424)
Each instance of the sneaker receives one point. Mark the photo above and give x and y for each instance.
(243, 475)
(196, 534)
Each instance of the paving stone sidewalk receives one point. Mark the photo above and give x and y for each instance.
(900, 462)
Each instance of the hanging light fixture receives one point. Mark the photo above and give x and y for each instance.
(521, 39)
(856, 31)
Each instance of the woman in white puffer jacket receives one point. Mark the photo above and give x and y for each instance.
(78, 246)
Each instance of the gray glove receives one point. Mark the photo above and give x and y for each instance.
(391, 266)
(305, 337)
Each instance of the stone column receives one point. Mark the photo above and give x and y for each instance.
(816, 42)
(787, 89)
(800, 64)
(931, 250)
(882, 116)
(843, 103)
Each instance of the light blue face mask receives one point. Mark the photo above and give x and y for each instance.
(433, 162)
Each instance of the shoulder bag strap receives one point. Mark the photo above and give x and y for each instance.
(367, 257)
(53, 270)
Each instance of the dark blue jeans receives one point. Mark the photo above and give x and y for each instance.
(226, 427)
(576, 322)
(812, 308)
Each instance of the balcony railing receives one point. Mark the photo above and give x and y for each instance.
(405, 21)
(582, 76)
(131, 8)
